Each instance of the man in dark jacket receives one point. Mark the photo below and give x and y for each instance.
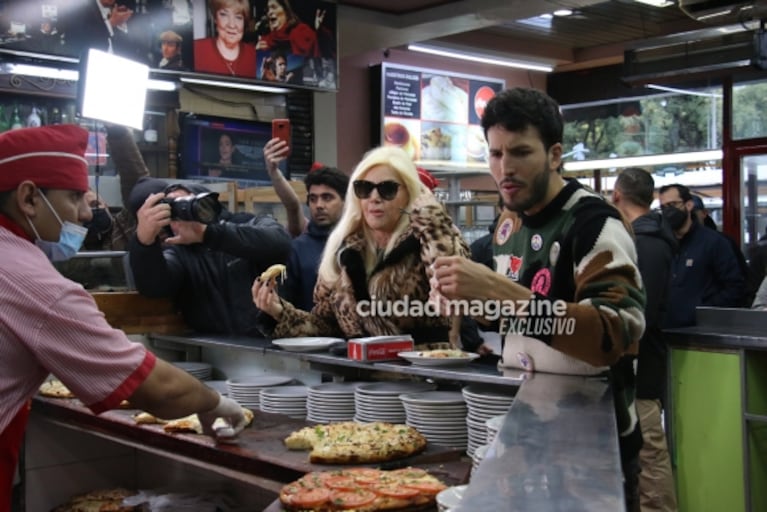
(325, 193)
(705, 271)
(206, 269)
(656, 245)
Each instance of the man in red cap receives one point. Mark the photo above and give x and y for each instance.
(49, 323)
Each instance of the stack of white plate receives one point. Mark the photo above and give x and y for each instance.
(493, 426)
(439, 415)
(221, 386)
(484, 402)
(331, 402)
(477, 457)
(203, 371)
(247, 390)
(288, 400)
(379, 401)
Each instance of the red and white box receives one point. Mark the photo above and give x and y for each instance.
(379, 348)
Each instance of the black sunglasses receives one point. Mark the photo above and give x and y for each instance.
(386, 189)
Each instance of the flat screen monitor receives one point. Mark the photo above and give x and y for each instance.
(221, 149)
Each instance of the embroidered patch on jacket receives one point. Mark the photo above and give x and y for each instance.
(541, 282)
(536, 242)
(515, 264)
(504, 231)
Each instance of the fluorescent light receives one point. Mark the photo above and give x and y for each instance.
(160, 85)
(683, 91)
(563, 12)
(43, 72)
(235, 85)
(479, 57)
(73, 75)
(656, 3)
(646, 160)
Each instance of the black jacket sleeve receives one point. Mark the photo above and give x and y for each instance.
(156, 272)
(261, 240)
(654, 259)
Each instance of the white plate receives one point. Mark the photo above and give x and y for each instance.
(418, 358)
(306, 344)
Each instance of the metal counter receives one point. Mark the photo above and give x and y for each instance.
(557, 449)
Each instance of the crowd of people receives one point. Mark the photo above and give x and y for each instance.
(620, 271)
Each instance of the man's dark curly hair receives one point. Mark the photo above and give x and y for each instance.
(330, 176)
(517, 108)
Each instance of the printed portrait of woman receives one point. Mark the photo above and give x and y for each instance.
(225, 53)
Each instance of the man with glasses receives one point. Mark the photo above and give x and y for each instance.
(705, 272)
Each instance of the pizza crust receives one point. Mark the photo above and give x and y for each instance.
(189, 424)
(273, 272)
(56, 389)
(105, 500)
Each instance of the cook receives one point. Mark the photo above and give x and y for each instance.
(49, 324)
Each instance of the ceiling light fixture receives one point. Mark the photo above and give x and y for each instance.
(235, 85)
(479, 57)
(656, 3)
(563, 12)
(73, 75)
(645, 160)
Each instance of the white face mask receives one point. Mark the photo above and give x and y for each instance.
(70, 240)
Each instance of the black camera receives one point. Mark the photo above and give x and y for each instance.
(203, 207)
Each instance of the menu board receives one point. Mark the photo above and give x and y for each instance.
(435, 115)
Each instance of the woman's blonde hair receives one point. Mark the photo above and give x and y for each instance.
(352, 220)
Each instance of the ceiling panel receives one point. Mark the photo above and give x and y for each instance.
(567, 42)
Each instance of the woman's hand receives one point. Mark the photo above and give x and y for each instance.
(266, 299)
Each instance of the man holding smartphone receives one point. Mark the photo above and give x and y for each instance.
(275, 151)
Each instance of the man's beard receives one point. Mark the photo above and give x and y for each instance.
(538, 189)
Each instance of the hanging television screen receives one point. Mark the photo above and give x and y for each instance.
(221, 149)
(274, 41)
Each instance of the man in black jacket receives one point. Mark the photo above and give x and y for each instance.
(656, 245)
(206, 269)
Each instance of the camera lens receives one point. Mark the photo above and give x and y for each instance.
(206, 208)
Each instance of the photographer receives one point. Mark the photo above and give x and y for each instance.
(204, 261)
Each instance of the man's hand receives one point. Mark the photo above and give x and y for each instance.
(152, 217)
(186, 232)
(456, 277)
(275, 151)
(230, 411)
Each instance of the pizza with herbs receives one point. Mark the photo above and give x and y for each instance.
(349, 442)
(362, 490)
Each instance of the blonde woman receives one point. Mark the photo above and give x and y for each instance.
(225, 53)
(375, 269)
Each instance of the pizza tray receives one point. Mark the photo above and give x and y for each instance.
(259, 449)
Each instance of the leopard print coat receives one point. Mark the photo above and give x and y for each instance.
(404, 272)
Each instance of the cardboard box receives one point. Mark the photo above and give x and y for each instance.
(379, 348)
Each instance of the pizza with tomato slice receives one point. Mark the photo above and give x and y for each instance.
(362, 490)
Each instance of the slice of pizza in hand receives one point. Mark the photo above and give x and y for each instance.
(273, 272)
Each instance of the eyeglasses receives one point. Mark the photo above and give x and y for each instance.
(387, 190)
(674, 204)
